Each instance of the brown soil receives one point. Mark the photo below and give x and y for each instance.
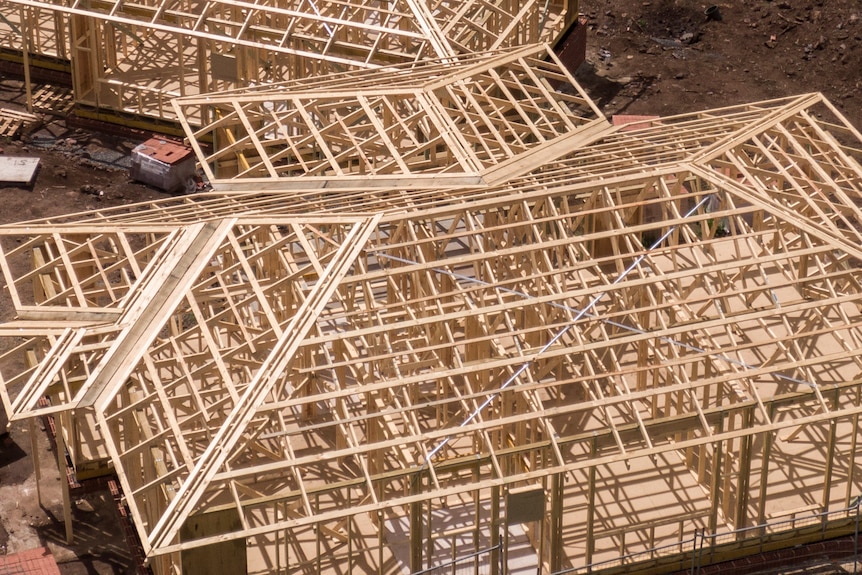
(666, 57)
(644, 57)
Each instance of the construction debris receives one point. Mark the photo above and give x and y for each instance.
(14, 123)
(164, 164)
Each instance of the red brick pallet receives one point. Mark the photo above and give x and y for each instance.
(37, 561)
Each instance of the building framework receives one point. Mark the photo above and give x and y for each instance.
(476, 119)
(653, 331)
(134, 57)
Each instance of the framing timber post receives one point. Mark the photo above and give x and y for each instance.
(714, 479)
(851, 463)
(743, 480)
(34, 449)
(416, 539)
(591, 503)
(830, 460)
(543, 531)
(555, 537)
(25, 53)
(495, 530)
(768, 439)
(64, 480)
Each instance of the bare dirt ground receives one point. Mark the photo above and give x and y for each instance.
(665, 57)
(644, 57)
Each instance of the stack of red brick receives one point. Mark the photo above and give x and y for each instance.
(37, 561)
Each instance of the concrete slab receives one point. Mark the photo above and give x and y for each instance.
(18, 170)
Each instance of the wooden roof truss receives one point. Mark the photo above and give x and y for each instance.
(135, 56)
(351, 32)
(462, 121)
(351, 382)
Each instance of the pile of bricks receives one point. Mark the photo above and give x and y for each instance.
(128, 529)
(37, 561)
